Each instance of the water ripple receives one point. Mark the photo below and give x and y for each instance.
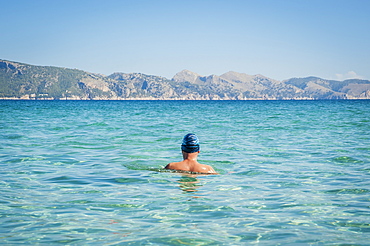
(291, 173)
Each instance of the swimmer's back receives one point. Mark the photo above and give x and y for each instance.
(191, 167)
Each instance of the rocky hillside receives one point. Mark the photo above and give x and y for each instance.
(23, 81)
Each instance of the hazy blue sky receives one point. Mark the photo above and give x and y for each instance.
(278, 39)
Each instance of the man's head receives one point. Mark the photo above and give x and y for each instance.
(190, 143)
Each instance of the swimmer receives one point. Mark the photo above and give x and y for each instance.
(190, 150)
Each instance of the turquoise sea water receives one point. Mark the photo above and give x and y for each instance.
(90, 173)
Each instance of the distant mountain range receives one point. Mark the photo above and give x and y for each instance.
(29, 82)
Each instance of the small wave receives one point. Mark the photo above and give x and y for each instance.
(250, 173)
(130, 180)
(163, 139)
(98, 124)
(175, 240)
(363, 148)
(348, 191)
(137, 165)
(12, 136)
(60, 128)
(68, 180)
(355, 226)
(123, 205)
(346, 159)
(80, 201)
(365, 169)
(27, 158)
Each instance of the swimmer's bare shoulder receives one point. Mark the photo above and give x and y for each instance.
(206, 169)
(169, 165)
(200, 168)
(177, 166)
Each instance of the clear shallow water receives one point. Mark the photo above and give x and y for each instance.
(89, 172)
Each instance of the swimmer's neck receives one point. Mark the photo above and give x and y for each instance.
(190, 156)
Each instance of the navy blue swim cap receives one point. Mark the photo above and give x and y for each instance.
(190, 143)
